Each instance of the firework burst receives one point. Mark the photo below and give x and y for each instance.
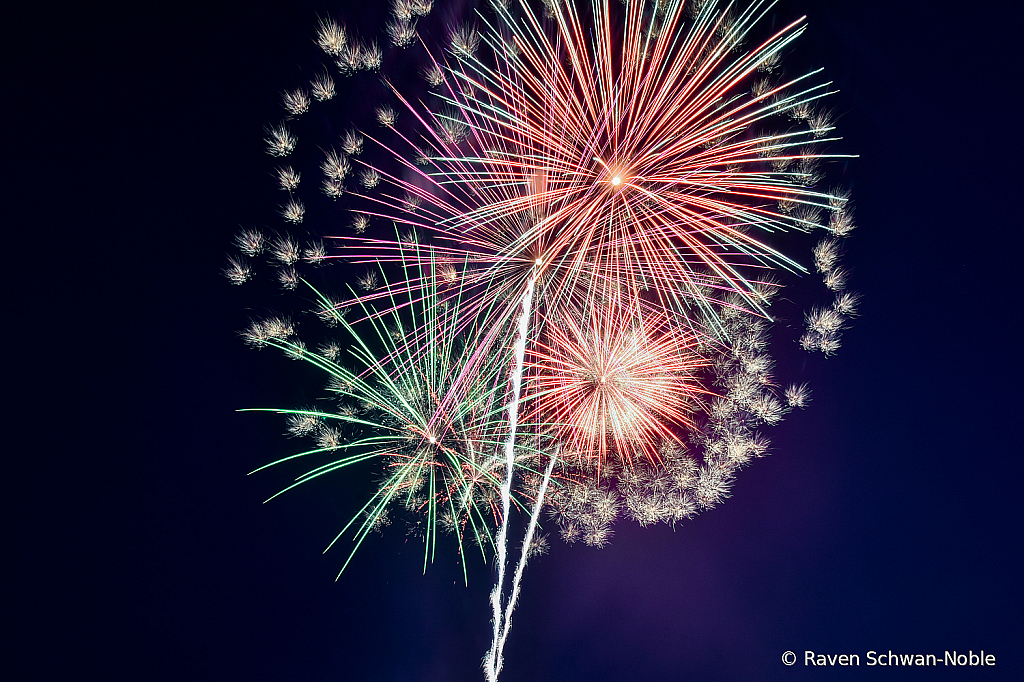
(613, 385)
(589, 200)
(402, 405)
(611, 145)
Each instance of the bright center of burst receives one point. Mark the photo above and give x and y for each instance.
(432, 440)
(540, 261)
(616, 180)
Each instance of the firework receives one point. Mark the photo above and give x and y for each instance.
(613, 385)
(648, 161)
(588, 202)
(397, 401)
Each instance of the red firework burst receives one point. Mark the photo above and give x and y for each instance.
(613, 384)
(632, 153)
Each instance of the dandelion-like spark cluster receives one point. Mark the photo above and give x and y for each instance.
(544, 272)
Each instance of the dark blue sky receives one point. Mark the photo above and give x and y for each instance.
(141, 551)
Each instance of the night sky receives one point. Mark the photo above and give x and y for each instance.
(142, 551)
